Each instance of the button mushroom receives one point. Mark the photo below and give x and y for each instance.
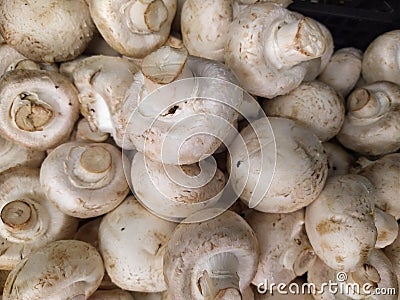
(313, 104)
(38, 108)
(62, 270)
(340, 223)
(46, 30)
(271, 49)
(142, 25)
(282, 179)
(132, 243)
(28, 220)
(339, 160)
(387, 228)
(371, 126)
(213, 259)
(85, 133)
(84, 179)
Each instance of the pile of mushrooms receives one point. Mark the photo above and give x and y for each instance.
(195, 150)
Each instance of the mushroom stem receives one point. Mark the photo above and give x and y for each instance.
(18, 215)
(298, 41)
(145, 16)
(365, 104)
(221, 280)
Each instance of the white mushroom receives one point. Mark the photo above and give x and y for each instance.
(84, 179)
(176, 192)
(393, 253)
(46, 30)
(387, 228)
(314, 105)
(277, 171)
(285, 251)
(271, 49)
(86, 134)
(339, 160)
(384, 174)
(132, 243)
(343, 70)
(372, 122)
(116, 294)
(28, 220)
(213, 259)
(13, 155)
(61, 270)
(340, 223)
(38, 108)
(142, 25)
(380, 60)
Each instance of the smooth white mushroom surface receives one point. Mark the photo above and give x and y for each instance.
(133, 243)
(61, 270)
(84, 179)
(28, 220)
(38, 108)
(314, 105)
(142, 26)
(271, 49)
(339, 159)
(280, 172)
(381, 59)
(46, 30)
(372, 123)
(340, 222)
(212, 259)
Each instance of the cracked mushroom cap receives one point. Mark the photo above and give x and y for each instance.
(279, 171)
(313, 104)
(142, 26)
(340, 222)
(38, 108)
(132, 243)
(28, 220)
(46, 30)
(372, 123)
(84, 180)
(210, 256)
(62, 270)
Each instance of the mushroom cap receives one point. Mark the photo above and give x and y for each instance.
(38, 108)
(285, 251)
(387, 228)
(340, 223)
(46, 30)
(279, 171)
(339, 160)
(85, 133)
(193, 245)
(28, 220)
(384, 174)
(380, 60)
(343, 70)
(204, 27)
(393, 253)
(175, 192)
(313, 104)
(119, 16)
(132, 243)
(116, 294)
(372, 122)
(185, 121)
(60, 270)
(84, 179)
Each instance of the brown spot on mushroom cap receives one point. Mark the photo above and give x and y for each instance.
(329, 226)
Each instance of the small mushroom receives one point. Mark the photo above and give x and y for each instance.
(372, 122)
(285, 252)
(132, 243)
(343, 70)
(213, 259)
(277, 166)
(38, 108)
(175, 192)
(84, 180)
(314, 105)
(142, 25)
(384, 174)
(271, 49)
(340, 223)
(46, 30)
(387, 228)
(339, 160)
(380, 60)
(28, 220)
(62, 270)
(116, 294)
